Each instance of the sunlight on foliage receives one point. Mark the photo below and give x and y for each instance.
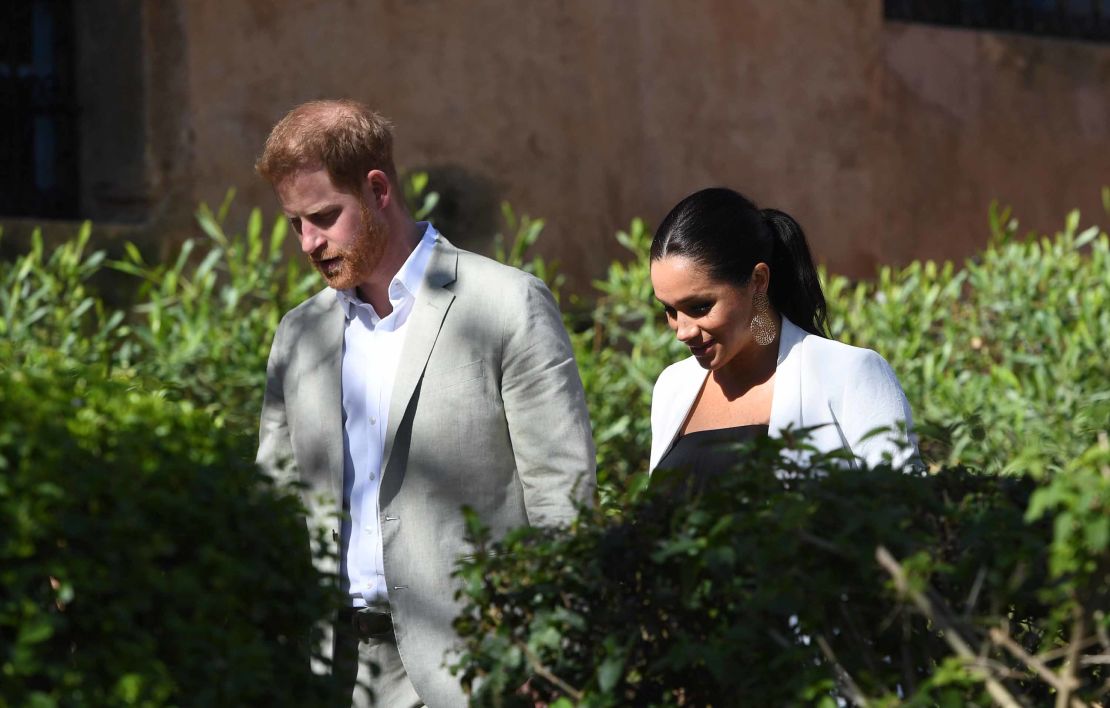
(125, 467)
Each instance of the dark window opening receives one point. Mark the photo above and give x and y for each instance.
(38, 110)
(1074, 19)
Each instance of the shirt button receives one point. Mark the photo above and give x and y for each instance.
(373, 420)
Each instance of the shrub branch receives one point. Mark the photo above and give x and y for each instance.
(951, 634)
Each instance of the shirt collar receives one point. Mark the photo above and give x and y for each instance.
(406, 282)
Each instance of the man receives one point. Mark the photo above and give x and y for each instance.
(422, 379)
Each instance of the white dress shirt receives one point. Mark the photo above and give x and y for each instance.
(371, 352)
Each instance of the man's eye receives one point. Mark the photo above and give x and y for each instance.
(295, 223)
(326, 218)
(669, 312)
(701, 309)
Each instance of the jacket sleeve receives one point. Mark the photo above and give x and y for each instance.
(275, 449)
(875, 415)
(545, 408)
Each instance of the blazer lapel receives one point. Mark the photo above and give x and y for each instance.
(692, 379)
(786, 401)
(426, 320)
(672, 399)
(799, 399)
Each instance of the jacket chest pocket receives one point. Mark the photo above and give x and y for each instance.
(450, 402)
(461, 417)
(435, 382)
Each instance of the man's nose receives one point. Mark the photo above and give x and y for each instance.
(311, 238)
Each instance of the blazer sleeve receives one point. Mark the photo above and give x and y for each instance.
(275, 448)
(875, 416)
(545, 408)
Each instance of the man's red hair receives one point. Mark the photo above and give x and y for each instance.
(342, 136)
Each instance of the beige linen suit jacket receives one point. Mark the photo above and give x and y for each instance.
(487, 411)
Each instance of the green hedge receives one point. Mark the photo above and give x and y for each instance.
(663, 600)
(128, 435)
(756, 592)
(144, 560)
(1002, 358)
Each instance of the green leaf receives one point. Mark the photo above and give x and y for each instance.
(610, 670)
(1086, 237)
(35, 630)
(208, 263)
(225, 205)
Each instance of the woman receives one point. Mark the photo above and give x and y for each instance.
(739, 289)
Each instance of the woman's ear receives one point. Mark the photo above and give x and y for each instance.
(761, 278)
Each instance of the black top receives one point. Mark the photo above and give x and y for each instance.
(703, 454)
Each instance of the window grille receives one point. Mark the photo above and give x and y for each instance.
(1075, 19)
(38, 113)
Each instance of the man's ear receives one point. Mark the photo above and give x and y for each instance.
(379, 188)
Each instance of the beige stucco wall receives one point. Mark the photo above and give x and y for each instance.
(886, 140)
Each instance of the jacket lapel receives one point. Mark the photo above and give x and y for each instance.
(426, 320)
(690, 381)
(786, 401)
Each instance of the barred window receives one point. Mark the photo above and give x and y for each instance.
(38, 112)
(1076, 19)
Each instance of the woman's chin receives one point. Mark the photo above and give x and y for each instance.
(707, 361)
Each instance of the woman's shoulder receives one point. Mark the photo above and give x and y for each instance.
(837, 353)
(835, 360)
(850, 372)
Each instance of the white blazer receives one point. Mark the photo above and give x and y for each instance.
(848, 391)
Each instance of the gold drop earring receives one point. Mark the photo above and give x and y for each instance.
(763, 327)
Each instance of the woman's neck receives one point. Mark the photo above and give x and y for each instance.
(751, 366)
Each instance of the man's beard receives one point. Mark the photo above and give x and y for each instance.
(358, 262)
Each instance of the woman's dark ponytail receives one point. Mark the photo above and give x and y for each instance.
(727, 234)
(795, 288)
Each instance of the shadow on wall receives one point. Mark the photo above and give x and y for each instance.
(468, 212)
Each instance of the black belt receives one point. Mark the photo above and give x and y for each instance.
(367, 621)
